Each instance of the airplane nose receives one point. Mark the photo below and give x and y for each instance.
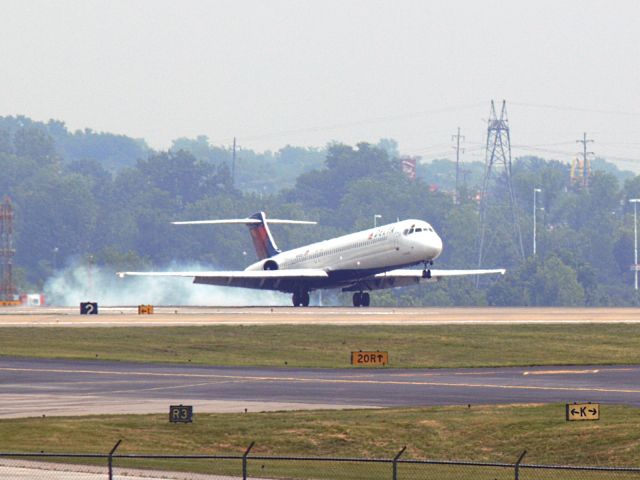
(431, 246)
(436, 245)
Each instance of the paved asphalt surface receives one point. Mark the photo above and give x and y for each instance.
(29, 317)
(137, 384)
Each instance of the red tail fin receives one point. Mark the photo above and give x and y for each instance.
(261, 235)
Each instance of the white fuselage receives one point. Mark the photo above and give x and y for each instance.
(404, 243)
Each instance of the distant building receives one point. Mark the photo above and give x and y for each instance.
(409, 166)
(578, 177)
(32, 299)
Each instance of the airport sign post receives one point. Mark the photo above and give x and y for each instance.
(88, 308)
(181, 413)
(145, 309)
(582, 411)
(376, 358)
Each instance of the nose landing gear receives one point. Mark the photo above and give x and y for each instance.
(426, 273)
(361, 299)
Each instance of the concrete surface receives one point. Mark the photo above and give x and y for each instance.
(181, 315)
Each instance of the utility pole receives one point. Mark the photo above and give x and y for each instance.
(464, 172)
(535, 207)
(635, 240)
(457, 138)
(233, 164)
(585, 159)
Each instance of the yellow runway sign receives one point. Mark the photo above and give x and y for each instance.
(369, 358)
(582, 411)
(145, 309)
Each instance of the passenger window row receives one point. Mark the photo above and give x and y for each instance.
(301, 258)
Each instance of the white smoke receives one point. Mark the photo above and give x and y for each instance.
(81, 283)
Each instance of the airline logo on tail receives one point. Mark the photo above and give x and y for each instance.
(261, 236)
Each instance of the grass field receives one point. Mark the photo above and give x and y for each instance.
(483, 433)
(480, 433)
(329, 345)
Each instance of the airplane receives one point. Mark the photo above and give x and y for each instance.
(360, 262)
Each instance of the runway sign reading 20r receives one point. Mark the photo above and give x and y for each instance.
(181, 413)
(369, 358)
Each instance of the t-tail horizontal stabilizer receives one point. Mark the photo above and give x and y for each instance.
(258, 224)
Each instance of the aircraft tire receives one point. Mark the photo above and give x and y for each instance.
(357, 299)
(365, 299)
(304, 300)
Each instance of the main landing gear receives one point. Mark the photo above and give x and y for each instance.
(300, 299)
(361, 299)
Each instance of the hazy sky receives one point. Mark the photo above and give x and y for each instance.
(306, 72)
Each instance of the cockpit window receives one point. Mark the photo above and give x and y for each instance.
(414, 229)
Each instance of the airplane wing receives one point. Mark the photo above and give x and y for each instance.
(405, 277)
(283, 280)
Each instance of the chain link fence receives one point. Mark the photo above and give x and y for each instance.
(113, 466)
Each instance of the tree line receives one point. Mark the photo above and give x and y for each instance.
(108, 199)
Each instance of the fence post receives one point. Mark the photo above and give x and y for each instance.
(395, 463)
(111, 459)
(244, 461)
(517, 465)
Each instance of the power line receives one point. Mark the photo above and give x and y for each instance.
(577, 109)
(355, 123)
(533, 149)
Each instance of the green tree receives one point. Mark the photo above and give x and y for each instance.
(36, 144)
(53, 211)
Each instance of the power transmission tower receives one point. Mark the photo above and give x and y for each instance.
(498, 154)
(7, 287)
(586, 167)
(457, 138)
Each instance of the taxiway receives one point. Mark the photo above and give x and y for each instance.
(36, 387)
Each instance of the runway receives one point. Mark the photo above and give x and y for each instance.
(36, 387)
(189, 315)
